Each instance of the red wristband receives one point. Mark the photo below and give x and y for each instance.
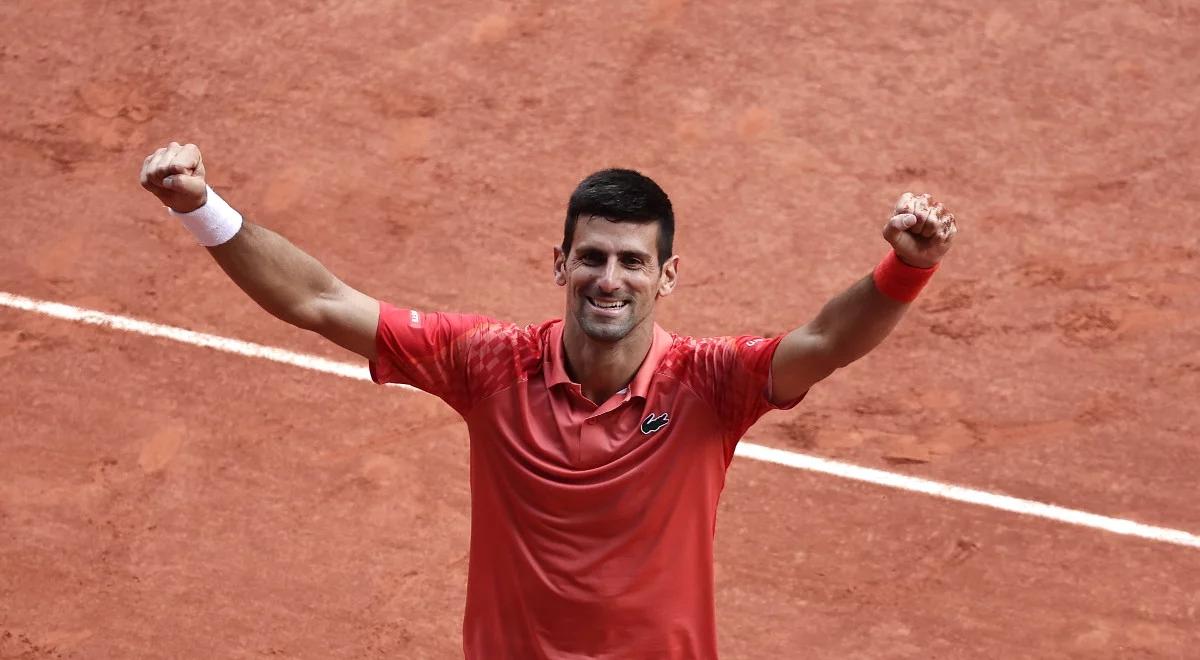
(899, 281)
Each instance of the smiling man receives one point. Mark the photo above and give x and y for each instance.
(599, 442)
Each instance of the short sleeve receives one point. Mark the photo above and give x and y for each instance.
(428, 350)
(734, 374)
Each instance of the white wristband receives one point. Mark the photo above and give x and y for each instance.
(211, 224)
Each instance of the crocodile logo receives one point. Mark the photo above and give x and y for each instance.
(654, 422)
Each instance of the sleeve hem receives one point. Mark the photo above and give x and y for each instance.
(376, 375)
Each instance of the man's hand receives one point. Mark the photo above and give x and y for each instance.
(920, 230)
(175, 174)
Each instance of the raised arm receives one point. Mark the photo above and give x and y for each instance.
(855, 321)
(277, 275)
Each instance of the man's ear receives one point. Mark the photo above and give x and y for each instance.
(560, 266)
(669, 276)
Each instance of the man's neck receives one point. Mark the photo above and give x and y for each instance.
(601, 368)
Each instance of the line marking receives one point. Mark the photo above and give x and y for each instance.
(746, 449)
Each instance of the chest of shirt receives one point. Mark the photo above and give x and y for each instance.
(558, 425)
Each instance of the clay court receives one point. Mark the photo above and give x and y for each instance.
(160, 499)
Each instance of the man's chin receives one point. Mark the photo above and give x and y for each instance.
(604, 332)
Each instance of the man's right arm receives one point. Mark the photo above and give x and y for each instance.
(296, 288)
(277, 275)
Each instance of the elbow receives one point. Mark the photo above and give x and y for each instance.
(825, 369)
(839, 355)
(844, 360)
(306, 316)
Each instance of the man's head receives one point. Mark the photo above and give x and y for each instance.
(616, 258)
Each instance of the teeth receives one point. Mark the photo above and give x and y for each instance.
(607, 305)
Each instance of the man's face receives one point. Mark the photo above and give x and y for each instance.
(612, 276)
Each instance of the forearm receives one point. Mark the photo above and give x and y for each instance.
(277, 275)
(855, 321)
(280, 277)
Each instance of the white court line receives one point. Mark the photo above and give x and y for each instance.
(746, 449)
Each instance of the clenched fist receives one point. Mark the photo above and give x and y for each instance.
(920, 230)
(175, 174)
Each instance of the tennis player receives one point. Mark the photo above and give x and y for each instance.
(598, 442)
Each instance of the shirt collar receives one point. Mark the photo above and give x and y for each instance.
(555, 362)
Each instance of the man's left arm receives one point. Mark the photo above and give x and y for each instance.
(855, 321)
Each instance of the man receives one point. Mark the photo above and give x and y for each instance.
(599, 443)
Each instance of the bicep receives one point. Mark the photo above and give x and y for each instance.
(802, 359)
(348, 318)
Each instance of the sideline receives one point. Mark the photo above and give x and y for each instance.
(745, 449)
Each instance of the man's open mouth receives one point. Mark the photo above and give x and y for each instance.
(607, 305)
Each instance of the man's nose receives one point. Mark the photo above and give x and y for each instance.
(608, 281)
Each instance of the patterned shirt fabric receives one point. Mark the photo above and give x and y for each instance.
(591, 525)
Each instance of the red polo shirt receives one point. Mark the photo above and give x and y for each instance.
(591, 526)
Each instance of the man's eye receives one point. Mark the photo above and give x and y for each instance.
(633, 263)
(590, 260)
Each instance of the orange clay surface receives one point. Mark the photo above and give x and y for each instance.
(164, 501)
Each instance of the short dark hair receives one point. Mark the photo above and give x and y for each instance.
(622, 196)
